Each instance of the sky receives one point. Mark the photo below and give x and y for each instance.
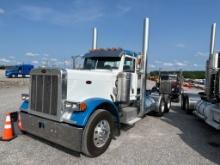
(54, 30)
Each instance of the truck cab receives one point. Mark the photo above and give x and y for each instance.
(206, 105)
(15, 71)
(83, 109)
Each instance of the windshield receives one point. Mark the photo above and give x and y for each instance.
(168, 77)
(102, 63)
(12, 68)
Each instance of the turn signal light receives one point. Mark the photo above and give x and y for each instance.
(82, 106)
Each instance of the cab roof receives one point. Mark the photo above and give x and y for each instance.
(113, 52)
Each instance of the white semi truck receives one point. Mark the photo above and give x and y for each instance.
(206, 105)
(82, 109)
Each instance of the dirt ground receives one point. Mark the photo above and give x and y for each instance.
(12, 82)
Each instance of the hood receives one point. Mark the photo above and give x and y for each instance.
(85, 84)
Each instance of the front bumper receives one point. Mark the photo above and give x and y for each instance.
(60, 133)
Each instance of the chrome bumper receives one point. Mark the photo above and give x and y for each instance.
(60, 133)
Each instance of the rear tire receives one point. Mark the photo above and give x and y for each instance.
(98, 133)
(188, 111)
(183, 103)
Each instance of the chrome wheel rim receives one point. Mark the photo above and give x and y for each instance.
(162, 107)
(168, 105)
(101, 133)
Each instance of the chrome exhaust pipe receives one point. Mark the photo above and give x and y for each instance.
(94, 40)
(144, 67)
(212, 40)
(211, 53)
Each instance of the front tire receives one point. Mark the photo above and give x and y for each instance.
(168, 105)
(162, 106)
(98, 132)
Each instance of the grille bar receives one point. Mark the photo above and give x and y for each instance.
(44, 94)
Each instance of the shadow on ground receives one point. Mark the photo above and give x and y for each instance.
(195, 133)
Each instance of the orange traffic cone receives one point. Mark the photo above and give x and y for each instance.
(8, 133)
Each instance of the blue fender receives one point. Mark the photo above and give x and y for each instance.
(81, 118)
(24, 106)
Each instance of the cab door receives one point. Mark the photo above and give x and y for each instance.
(129, 66)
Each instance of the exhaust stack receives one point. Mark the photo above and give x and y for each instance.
(212, 40)
(144, 66)
(94, 41)
(209, 79)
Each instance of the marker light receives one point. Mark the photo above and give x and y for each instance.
(82, 106)
(25, 97)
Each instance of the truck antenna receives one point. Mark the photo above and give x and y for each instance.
(94, 40)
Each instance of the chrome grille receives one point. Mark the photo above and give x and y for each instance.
(44, 94)
(165, 87)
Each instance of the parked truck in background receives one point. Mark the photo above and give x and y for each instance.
(18, 70)
(206, 105)
(171, 83)
(83, 109)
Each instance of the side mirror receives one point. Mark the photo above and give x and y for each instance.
(138, 64)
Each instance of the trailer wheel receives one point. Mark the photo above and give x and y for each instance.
(98, 133)
(161, 108)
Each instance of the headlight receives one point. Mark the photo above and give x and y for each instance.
(72, 106)
(25, 97)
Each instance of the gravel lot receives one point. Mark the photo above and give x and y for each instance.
(176, 138)
(12, 82)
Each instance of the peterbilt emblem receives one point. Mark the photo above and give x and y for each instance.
(88, 82)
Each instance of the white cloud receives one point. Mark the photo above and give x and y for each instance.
(180, 45)
(180, 64)
(80, 11)
(2, 11)
(53, 59)
(4, 60)
(152, 66)
(12, 57)
(201, 54)
(195, 65)
(35, 62)
(67, 62)
(30, 54)
(123, 9)
(168, 64)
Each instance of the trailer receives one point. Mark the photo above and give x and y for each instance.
(206, 105)
(18, 70)
(83, 109)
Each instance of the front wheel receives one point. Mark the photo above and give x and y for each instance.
(168, 105)
(98, 133)
(162, 107)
